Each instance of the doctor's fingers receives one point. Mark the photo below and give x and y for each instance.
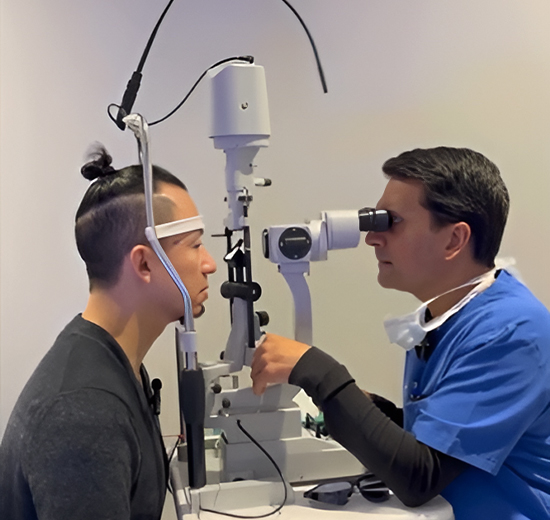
(265, 354)
(274, 360)
(264, 373)
(281, 349)
(258, 387)
(262, 366)
(259, 373)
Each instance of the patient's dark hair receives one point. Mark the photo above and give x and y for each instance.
(460, 185)
(111, 218)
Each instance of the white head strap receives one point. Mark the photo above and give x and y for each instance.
(179, 226)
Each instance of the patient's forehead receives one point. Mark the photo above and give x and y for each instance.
(183, 204)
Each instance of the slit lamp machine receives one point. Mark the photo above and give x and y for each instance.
(241, 127)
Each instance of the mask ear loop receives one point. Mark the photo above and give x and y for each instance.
(484, 280)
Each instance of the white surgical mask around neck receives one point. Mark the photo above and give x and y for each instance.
(409, 330)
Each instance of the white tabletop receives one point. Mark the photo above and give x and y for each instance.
(357, 508)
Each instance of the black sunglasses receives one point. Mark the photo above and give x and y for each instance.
(339, 493)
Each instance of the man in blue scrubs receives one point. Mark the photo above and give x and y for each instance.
(475, 425)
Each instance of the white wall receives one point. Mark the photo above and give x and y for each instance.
(401, 74)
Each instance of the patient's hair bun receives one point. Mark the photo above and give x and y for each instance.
(99, 164)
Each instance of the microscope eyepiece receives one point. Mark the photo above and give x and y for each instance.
(371, 219)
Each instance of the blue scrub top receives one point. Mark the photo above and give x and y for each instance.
(483, 397)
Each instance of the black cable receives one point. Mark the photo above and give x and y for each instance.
(133, 85)
(249, 59)
(279, 507)
(170, 456)
(176, 446)
(111, 117)
(152, 38)
(317, 59)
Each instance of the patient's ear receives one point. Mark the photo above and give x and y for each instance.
(459, 239)
(140, 260)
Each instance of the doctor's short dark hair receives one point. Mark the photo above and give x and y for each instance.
(460, 185)
(111, 218)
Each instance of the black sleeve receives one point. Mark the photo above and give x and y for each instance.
(413, 471)
(81, 461)
(388, 408)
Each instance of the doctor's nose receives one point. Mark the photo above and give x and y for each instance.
(374, 238)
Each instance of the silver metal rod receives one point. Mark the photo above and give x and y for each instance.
(139, 126)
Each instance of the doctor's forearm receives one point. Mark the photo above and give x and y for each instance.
(388, 408)
(413, 471)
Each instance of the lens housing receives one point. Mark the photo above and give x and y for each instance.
(371, 219)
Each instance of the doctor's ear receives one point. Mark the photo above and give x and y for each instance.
(458, 239)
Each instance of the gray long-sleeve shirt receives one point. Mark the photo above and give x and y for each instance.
(82, 441)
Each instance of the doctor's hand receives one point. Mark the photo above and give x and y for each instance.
(274, 360)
